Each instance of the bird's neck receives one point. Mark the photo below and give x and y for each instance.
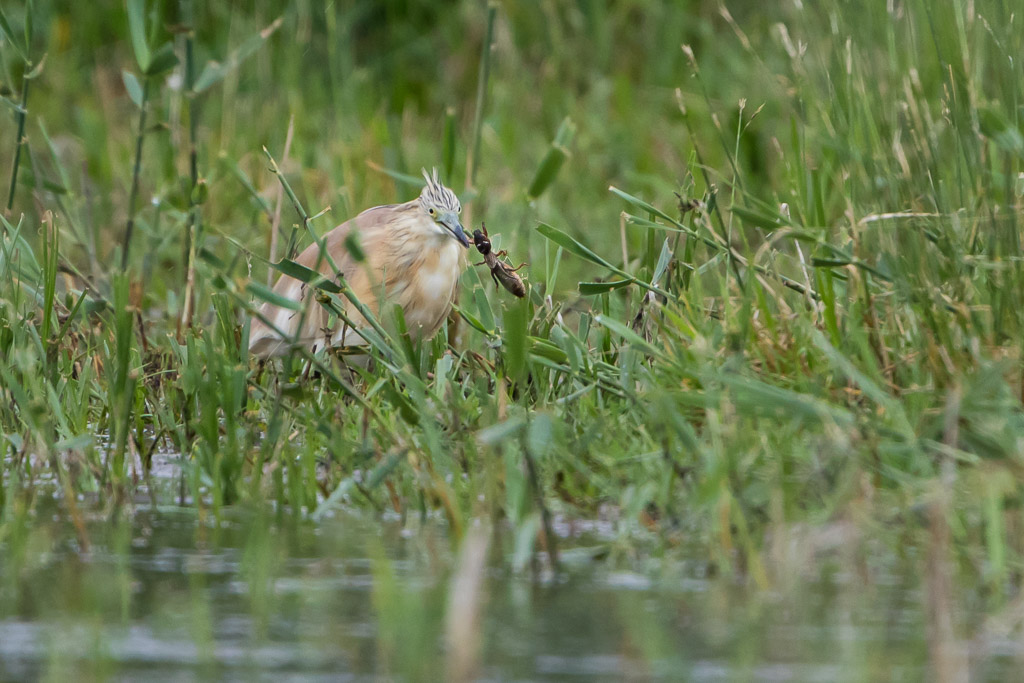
(415, 240)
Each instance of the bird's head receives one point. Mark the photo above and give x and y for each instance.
(443, 207)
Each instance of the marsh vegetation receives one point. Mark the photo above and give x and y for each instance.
(759, 413)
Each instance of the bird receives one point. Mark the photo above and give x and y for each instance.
(414, 254)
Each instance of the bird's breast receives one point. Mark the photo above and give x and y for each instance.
(427, 290)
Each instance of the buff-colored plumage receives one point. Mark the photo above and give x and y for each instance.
(413, 258)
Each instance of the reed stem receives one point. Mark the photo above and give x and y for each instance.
(192, 224)
(133, 197)
(22, 115)
(481, 92)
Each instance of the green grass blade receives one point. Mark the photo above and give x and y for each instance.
(137, 32)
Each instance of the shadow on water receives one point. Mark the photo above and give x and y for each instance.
(171, 595)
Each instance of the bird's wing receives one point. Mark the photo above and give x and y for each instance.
(372, 228)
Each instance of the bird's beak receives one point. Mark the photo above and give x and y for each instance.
(451, 221)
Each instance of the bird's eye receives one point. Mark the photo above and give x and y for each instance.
(431, 211)
(459, 210)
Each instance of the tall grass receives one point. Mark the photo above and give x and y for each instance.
(800, 300)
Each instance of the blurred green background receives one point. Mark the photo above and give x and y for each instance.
(373, 81)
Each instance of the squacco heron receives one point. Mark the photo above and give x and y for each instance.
(414, 254)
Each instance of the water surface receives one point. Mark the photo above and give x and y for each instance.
(173, 596)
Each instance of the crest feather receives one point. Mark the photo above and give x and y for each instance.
(435, 194)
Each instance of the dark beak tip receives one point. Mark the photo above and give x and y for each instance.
(460, 235)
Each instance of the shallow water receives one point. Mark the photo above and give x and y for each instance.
(172, 597)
